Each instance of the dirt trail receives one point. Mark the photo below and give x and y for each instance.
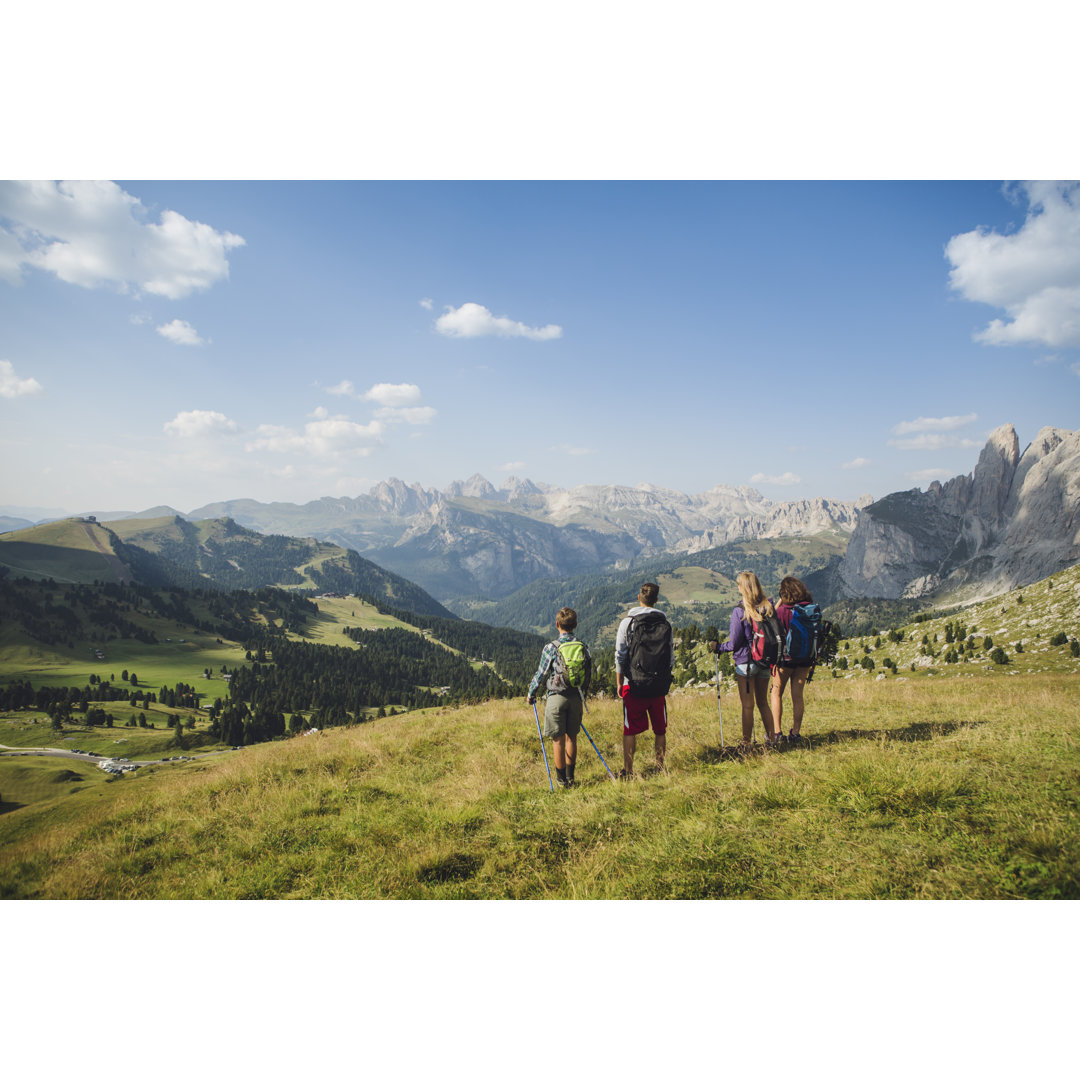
(123, 575)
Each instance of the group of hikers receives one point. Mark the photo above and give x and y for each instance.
(773, 645)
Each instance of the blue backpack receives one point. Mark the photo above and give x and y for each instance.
(803, 636)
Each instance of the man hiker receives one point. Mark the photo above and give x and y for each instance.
(644, 658)
(567, 667)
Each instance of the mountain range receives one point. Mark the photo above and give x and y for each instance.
(1012, 521)
(475, 540)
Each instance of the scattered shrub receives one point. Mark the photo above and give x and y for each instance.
(999, 656)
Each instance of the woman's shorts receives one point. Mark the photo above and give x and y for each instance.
(753, 671)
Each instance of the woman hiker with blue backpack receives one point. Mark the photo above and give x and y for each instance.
(748, 618)
(567, 667)
(800, 619)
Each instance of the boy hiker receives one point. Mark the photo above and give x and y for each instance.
(644, 658)
(567, 666)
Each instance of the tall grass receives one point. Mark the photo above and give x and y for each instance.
(946, 789)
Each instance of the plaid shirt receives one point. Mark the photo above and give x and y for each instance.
(547, 661)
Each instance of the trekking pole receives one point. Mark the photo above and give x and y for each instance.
(543, 749)
(718, 708)
(598, 754)
(585, 706)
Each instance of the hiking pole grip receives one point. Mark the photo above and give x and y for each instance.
(543, 749)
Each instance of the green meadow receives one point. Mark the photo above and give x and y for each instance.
(922, 788)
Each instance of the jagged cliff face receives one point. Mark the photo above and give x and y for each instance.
(1011, 522)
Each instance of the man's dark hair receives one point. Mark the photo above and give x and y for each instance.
(566, 619)
(649, 593)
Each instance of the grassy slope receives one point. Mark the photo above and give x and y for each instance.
(924, 788)
(1031, 615)
(62, 550)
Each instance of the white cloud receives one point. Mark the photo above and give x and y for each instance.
(180, 333)
(786, 480)
(427, 303)
(512, 466)
(1074, 368)
(392, 395)
(474, 320)
(934, 423)
(573, 451)
(1045, 361)
(343, 389)
(323, 437)
(421, 414)
(199, 423)
(1033, 273)
(927, 476)
(856, 463)
(933, 441)
(93, 233)
(11, 386)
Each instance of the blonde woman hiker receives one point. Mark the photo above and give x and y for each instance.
(751, 676)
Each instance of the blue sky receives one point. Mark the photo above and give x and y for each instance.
(184, 342)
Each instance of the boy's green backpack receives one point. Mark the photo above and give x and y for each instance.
(569, 667)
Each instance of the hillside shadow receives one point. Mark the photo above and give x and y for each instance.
(918, 731)
(7, 807)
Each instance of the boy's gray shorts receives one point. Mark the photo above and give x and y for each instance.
(562, 715)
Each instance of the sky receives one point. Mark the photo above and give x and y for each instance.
(185, 342)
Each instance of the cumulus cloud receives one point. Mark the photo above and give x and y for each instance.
(1033, 273)
(199, 423)
(856, 463)
(11, 386)
(785, 480)
(334, 436)
(180, 332)
(933, 441)
(927, 476)
(474, 320)
(343, 389)
(93, 233)
(421, 414)
(934, 423)
(427, 303)
(393, 395)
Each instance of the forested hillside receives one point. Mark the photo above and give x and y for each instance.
(284, 682)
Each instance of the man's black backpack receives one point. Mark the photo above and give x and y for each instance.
(650, 654)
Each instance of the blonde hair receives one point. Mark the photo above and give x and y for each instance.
(753, 596)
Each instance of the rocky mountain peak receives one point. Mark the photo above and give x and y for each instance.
(1011, 521)
(994, 473)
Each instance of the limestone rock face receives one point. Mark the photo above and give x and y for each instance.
(1011, 522)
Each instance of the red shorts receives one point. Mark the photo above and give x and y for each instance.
(638, 711)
